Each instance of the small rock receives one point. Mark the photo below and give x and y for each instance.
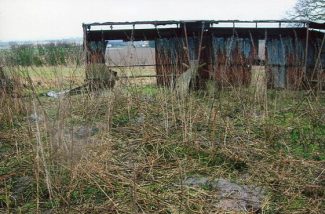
(290, 128)
(56, 94)
(232, 204)
(147, 99)
(35, 118)
(242, 196)
(21, 185)
(84, 132)
(48, 211)
(140, 119)
(233, 197)
(196, 181)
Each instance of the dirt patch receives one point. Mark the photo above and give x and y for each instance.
(232, 196)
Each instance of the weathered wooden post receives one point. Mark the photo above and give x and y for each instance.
(182, 85)
(258, 82)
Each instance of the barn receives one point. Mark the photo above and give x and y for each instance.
(292, 53)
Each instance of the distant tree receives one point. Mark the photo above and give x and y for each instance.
(312, 10)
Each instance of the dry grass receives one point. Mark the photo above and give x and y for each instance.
(129, 150)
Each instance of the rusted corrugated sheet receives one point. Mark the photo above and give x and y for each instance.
(285, 62)
(227, 60)
(232, 58)
(316, 57)
(170, 57)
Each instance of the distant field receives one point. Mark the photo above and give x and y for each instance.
(130, 56)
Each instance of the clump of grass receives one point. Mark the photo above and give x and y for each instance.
(11, 105)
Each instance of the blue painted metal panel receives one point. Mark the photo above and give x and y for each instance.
(170, 48)
(285, 51)
(175, 47)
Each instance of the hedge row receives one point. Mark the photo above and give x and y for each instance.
(39, 55)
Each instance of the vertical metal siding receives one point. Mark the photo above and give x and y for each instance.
(233, 58)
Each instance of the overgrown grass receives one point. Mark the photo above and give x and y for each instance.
(129, 149)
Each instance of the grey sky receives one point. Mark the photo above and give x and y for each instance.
(55, 19)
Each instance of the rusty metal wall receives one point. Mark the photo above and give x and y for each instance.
(226, 60)
(173, 55)
(232, 60)
(316, 61)
(285, 62)
(170, 56)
